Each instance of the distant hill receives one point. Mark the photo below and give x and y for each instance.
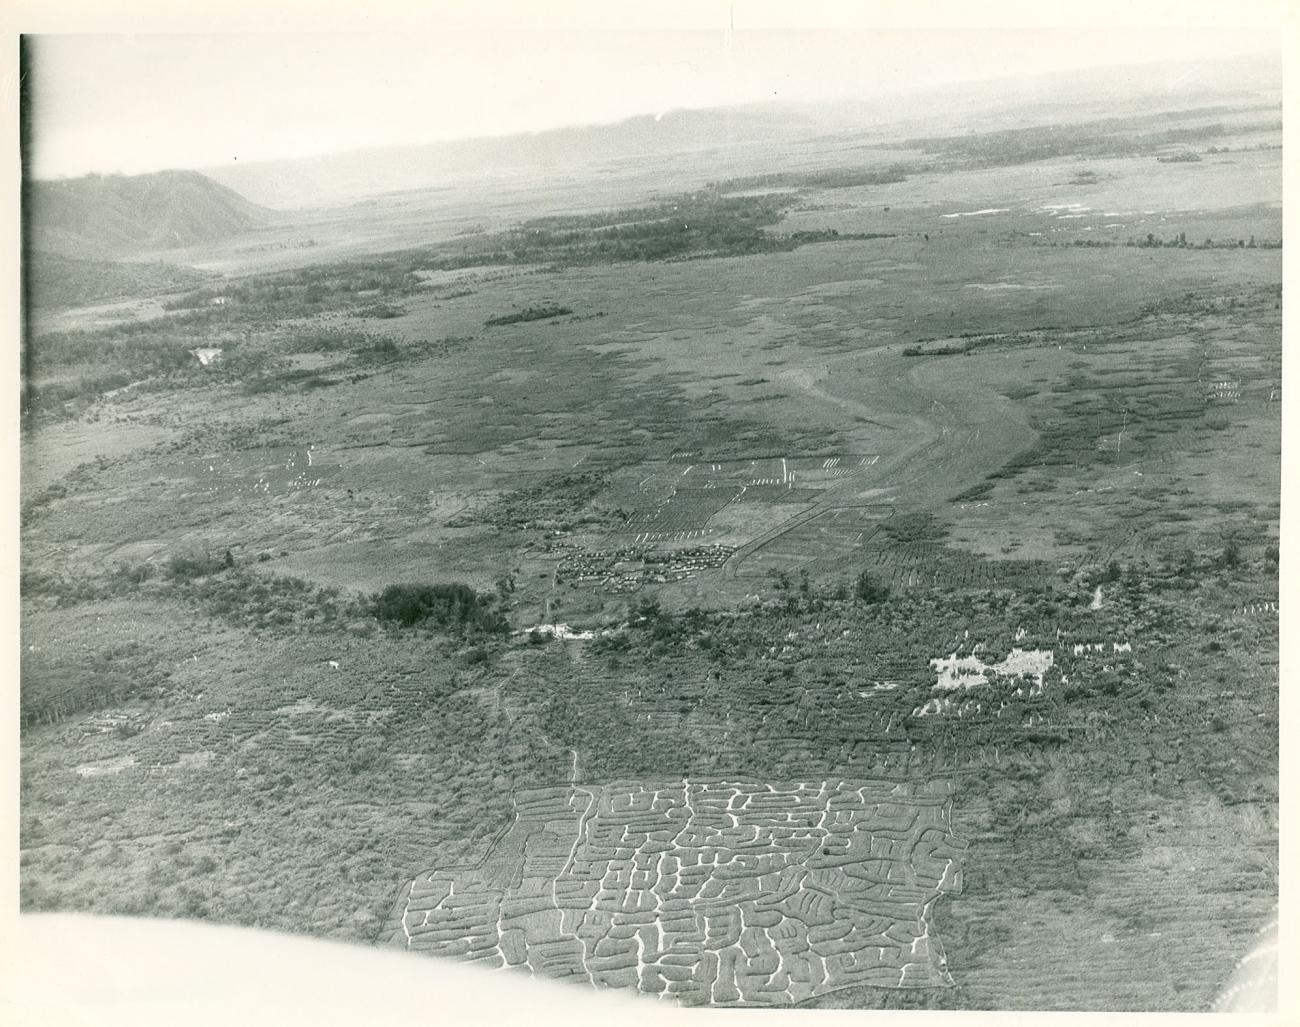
(105, 216)
(344, 176)
(711, 138)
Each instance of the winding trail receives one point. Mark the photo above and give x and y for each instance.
(943, 432)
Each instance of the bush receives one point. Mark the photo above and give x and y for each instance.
(382, 311)
(914, 527)
(528, 314)
(974, 492)
(186, 566)
(868, 590)
(454, 606)
(1231, 555)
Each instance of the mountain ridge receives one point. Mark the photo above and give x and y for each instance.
(112, 216)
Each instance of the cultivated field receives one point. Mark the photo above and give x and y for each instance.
(715, 893)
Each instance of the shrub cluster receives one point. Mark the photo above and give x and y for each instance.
(454, 606)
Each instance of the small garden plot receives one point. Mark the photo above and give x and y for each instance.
(768, 472)
(699, 472)
(823, 472)
(823, 542)
(1226, 391)
(686, 510)
(930, 564)
(639, 563)
(778, 494)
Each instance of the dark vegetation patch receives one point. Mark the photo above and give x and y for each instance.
(913, 527)
(541, 313)
(1106, 137)
(556, 502)
(829, 178)
(1179, 242)
(218, 585)
(382, 311)
(450, 607)
(973, 493)
(71, 369)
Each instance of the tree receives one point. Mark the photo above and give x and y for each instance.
(647, 610)
(868, 590)
(1231, 555)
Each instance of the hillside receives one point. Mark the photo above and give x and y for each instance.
(55, 281)
(119, 215)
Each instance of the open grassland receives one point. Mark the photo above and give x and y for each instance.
(845, 481)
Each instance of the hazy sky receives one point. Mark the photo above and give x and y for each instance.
(143, 102)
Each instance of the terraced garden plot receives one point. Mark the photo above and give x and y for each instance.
(930, 564)
(677, 500)
(709, 892)
(788, 471)
(815, 472)
(824, 540)
(682, 515)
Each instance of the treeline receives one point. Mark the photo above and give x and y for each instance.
(699, 222)
(1157, 242)
(224, 313)
(696, 223)
(832, 235)
(830, 178)
(1110, 137)
(245, 316)
(54, 687)
(1179, 241)
(227, 588)
(52, 691)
